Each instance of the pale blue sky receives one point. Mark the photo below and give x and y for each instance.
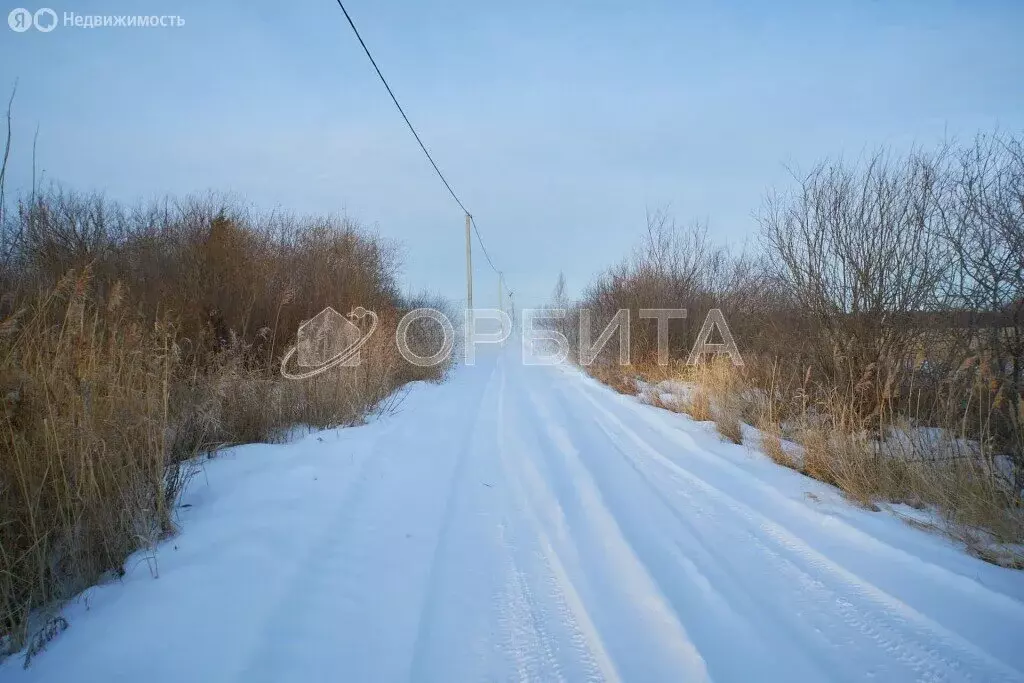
(557, 123)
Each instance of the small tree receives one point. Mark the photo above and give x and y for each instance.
(859, 252)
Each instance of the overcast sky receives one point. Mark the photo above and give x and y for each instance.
(558, 123)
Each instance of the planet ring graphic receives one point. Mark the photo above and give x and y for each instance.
(357, 312)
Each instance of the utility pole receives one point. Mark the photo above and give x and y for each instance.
(501, 304)
(469, 267)
(512, 302)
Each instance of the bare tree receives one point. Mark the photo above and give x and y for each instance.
(983, 226)
(859, 252)
(3, 179)
(560, 296)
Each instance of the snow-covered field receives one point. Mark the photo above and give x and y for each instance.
(526, 523)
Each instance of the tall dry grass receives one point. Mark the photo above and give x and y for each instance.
(133, 339)
(882, 324)
(84, 473)
(935, 459)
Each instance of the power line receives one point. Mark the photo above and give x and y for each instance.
(400, 110)
(482, 247)
(417, 136)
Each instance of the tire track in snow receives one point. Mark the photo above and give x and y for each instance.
(589, 655)
(283, 638)
(696, 596)
(366, 568)
(745, 611)
(524, 636)
(440, 557)
(894, 626)
(1012, 610)
(605, 545)
(650, 640)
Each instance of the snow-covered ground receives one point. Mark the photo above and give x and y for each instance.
(526, 523)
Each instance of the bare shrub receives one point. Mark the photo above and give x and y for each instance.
(886, 303)
(674, 266)
(857, 250)
(133, 339)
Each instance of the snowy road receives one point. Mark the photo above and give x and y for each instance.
(525, 523)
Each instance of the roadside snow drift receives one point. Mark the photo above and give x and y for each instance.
(526, 523)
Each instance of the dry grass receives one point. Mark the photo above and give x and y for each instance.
(84, 451)
(127, 352)
(729, 426)
(972, 498)
(924, 343)
(717, 393)
(698, 405)
(967, 493)
(929, 339)
(845, 461)
(874, 450)
(771, 445)
(652, 397)
(1011, 558)
(620, 378)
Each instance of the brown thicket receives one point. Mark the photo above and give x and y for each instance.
(133, 339)
(881, 320)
